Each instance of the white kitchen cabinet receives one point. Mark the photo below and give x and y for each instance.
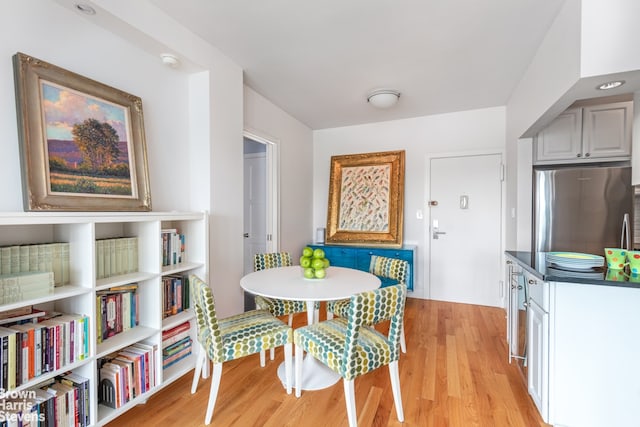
(538, 357)
(587, 134)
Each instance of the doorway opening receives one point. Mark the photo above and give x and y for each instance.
(261, 216)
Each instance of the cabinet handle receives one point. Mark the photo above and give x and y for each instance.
(532, 282)
(509, 262)
(579, 155)
(588, 155)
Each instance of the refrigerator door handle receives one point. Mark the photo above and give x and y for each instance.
(626, 233)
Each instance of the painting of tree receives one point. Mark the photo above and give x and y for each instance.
(87, 143)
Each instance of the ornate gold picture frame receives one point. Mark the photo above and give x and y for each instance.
(82, 143)
(366, 199)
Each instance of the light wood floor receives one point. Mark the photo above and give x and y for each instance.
(455, 373)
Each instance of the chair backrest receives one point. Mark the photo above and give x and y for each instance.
(369, 308)
(209, 335)
(271, 260)
(391, 268)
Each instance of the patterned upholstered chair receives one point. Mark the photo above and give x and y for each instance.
(351, 346)
(234, 337)
(390, 268)
(276, 307)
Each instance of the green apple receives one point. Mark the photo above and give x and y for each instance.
(326, 263)
(320, 273)
(309, 273)
(317, 263)
(305, 262)
(318, 253)
(307, 251)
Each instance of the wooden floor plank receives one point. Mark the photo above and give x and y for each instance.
(455, 373)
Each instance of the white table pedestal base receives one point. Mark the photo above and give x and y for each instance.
(315, 375)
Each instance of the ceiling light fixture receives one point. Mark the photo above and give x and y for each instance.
(610, 85)
(85, 8)
(170, 60)
(383, 98)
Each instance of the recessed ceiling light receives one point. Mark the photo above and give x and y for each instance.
(610, 85)
(85, 8)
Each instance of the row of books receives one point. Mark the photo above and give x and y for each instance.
(61, 401)
(127, 374)
(175, 294)
(173, 247)
(176, 344)
(116, 256)
(116, 310)
(33, 349)
(38, 257)
(25, 285)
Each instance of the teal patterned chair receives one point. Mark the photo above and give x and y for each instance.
(390, 268)
(276, 307)
(351, 346)
(233, 337)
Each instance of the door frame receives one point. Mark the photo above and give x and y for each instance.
(273, 186)
(426, 271)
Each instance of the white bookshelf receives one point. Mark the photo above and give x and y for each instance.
(81, 230)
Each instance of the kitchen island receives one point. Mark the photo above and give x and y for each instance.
(582, 341)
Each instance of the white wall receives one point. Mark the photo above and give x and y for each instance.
(54, 34)
(610, 34)
(444, 133)
(193, 115)
(295, 148)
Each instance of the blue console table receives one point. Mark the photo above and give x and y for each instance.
(359, 257)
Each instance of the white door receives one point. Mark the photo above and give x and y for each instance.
(255, 218)
(465, 229)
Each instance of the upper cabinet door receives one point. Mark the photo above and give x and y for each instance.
(562, 139)
(607, 130)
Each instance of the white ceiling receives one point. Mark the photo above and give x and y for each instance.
(318, 60)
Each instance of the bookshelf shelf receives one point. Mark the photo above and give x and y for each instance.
(123, 279)
(124, 339)
(82, 295)
(61, 292)
(177, 319)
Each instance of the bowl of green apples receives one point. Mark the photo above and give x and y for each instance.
(313, 263)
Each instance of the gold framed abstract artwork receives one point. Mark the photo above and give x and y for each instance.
(366, 199)
(82, 143)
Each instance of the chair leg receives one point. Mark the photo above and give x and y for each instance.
(272, 353)
(329, 315)
(395, 387)
(213, 393)
(262, 359)
(288, 368)
(290, 320)
(298, 373)
(350, 400)
(196, 375)
(403, 343)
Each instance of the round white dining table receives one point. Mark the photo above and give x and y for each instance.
(288, 283)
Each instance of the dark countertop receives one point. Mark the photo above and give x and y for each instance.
(535, 263)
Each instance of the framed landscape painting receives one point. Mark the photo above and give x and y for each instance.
(366, 199)
(82, 143)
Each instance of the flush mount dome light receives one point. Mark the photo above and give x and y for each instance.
(383, 98)
(610, 85)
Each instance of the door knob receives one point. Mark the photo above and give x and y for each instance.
(245, 235)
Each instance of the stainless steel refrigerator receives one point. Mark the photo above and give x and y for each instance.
(582, 208)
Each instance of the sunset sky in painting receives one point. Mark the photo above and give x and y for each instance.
(64, 107)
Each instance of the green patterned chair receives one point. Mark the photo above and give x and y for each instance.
(351, 346)
(276, 307)
(234, 337)
(390, 268)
